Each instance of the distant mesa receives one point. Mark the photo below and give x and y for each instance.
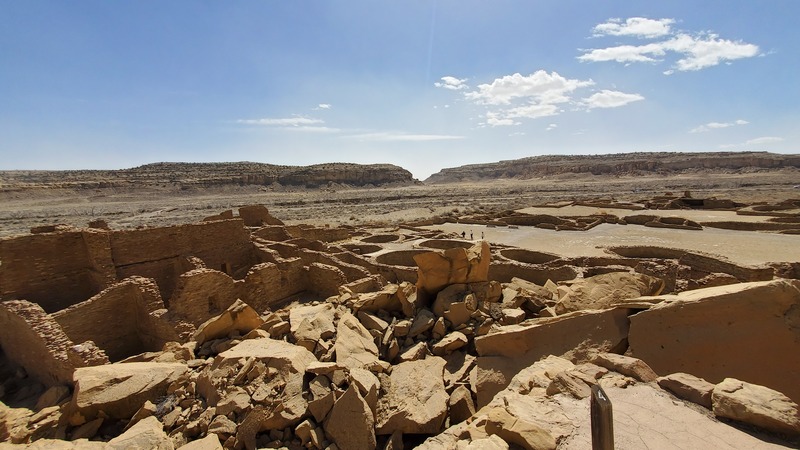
(622, 164)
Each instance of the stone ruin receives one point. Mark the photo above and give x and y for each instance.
(242, 332)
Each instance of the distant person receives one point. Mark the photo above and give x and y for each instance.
(481, 235)
(470, 235)
(463, 234)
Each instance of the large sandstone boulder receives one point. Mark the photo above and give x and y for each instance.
(749, 331)
(602, 291)
(416, 401)
(311, 323)
(119, 390)
(354, 345)
(350, 423)
(436, 270)
(148, 433)
(239, 317)
(756, 405)
(577, 336)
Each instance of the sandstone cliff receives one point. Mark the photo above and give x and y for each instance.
(618, 164)
(211, 174)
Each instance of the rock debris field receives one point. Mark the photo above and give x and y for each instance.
(241, 331)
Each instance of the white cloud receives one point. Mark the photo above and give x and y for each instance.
(635, 26)
(517, 133)
(551, 127)
(610, 99)
(403, 137)
(323, 106)
(452, 83)
(282, 122)
(764, 140)
(695, 52)
(539, 86)
(715, 125)
(312, 129)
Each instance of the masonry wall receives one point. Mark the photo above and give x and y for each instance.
(55, 270)
(117, 320)
(160, 253)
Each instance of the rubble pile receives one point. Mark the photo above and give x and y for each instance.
(368, 356)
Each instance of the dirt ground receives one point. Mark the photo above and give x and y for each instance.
(148, 207)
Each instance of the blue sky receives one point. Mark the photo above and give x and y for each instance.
(420, 84)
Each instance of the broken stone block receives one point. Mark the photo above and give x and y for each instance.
(120, 389)
(461, 405)
(518, 431)
(449, 343)
(570, 384)
(372, 322)
(423, 322)
(688, 387)
(513, 316)
(350, 423)
(239, 317)
(626, 365)
(148, 433)
(354, 345)
(602, 291)
(416, 401)
(416, 352)
(436, 270)
(756, 405)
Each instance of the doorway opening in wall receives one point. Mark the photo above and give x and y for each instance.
(225, 268)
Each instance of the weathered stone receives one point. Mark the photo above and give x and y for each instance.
(372, 322)
(492, 442)
(414, 353)
(437, 270)
(570, 384)
(368, 385)
(755, 326)
(239, 317)
(602, 291)
(688, 387)
(416, 401)
(423, 322)
(518, 431)
(222, 426)
(354, 345)
(513, 316)
(756, 405)
(350, 423)
(461, 405)
(210, 442)
(452, 341)
(52, 397)
(633, 367)
(148, 433)
(312, 323)
(120, 389)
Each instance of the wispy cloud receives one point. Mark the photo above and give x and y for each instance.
(452, 83)
(282, 122)
(551, 127)
(696, 51)
(322, 106)
(764, 140)
(610, 99)
(635, 26)
(716, 125)
(390, 136)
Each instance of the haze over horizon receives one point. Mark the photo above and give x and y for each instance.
(423, 85)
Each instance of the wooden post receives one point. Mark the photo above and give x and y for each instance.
(602, 420)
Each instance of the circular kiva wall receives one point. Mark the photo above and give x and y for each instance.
(444, 244)
(381, 238)
(528, 256)
(363, 249)
(399, 258)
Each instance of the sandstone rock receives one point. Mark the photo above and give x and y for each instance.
(52, 397)
(368, 385)
(239, 317)
(512, 316)
(416, 401)
(437, 270)
(602, 291)
(461, 405)
(210, 442)
(452, 341)
(633, 367)
(492, 442)
(414, 353)
(755, 325)
(518, 431)
(577, 336)
(120, 389)
(756, 405)
(147, 434)
(257, 215)
(688, 387)
(312, 323)
(350, 423)
(354, 344)
(423, 322)
(570, 384)
(372, 322)
(222, 426)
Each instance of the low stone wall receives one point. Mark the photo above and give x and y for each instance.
(528, 256)
(505, 271)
